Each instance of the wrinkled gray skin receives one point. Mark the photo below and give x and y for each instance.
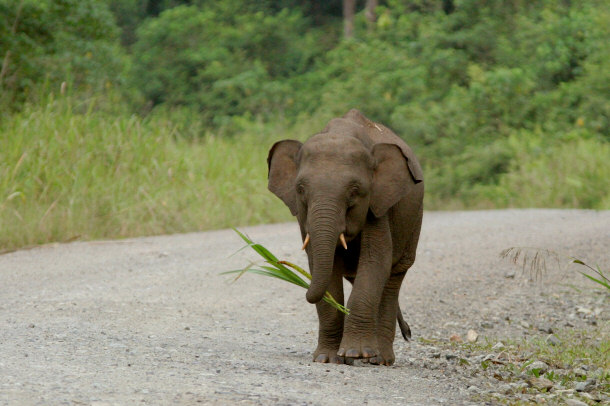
(357, 178)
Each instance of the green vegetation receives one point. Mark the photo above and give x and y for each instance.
(66, 174)
(123, 118)
(524, 369)
(280, 270)
(535, 261)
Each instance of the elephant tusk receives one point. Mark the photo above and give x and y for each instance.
(306, 241)
(342, 238)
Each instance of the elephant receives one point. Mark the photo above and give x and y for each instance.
(357, 191)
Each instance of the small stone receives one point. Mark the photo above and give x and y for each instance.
(435, 355)
(524, 324)
(553, 340)
(599, 373)
(450, 356)
(486, 324)
(540, 383)
(590, 397)
(585, 386)
(498, 346)
(505, 388)
(580, 372)
(584, 311)
(574, 402)
(473, 389)
(519, 387)
(472, 336)
(546, 329)
(509, 275)
(538, 365)
(455, 338)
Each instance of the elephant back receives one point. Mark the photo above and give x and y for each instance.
(376, 133)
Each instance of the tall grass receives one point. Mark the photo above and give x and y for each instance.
(83, 170)
(542, 172)
(573, 173)
(70, 172)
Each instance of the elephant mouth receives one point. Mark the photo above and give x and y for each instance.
(342, 241)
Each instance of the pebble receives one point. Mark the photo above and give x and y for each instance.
(472, 336)
(600, 372)
(498, 346)
(539, 365)
(524, 324)
(540, 383)
(546, 329)
(455, 338)
(519, 386)
(586, 385)
(553, 340)
(580, 372)
(575, 402)
(505, 388)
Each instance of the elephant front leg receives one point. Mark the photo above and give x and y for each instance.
(386, 325)
(331, 323)
(360, 331)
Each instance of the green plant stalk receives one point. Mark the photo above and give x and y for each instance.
(279, 270)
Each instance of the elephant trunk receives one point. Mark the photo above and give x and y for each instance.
(324, 232)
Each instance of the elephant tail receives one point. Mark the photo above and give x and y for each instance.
(404, 327)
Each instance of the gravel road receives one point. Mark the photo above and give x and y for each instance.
(151, 320)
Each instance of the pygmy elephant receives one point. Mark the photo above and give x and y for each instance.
(356, 189)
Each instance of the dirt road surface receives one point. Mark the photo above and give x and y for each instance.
(152, 321)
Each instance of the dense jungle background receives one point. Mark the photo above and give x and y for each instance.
(136, 117)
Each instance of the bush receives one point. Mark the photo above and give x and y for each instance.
(47, 42)
(220, 62)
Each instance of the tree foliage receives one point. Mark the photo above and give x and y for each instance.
(46, 42)
(463, 81)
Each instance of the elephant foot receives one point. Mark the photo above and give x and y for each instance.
(325, 356)
(381, 360)
(364, 348)
(385, 357)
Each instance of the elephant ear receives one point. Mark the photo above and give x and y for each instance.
(390, 178)
(283, 170)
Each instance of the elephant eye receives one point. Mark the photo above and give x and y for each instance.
(300, 189)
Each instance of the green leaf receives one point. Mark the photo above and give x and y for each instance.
(279, 270)
(603, 283)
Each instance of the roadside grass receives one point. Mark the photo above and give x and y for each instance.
(573, 173)
(70, 172)
(574, 356)
(80, 170)
(542, 173)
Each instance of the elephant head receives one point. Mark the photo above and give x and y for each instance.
(332, 183)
